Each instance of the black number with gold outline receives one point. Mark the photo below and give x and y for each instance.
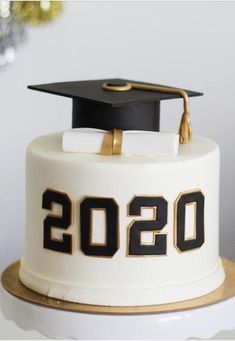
(156, 224)
(182, 243)
(111, 215)
(61, 222)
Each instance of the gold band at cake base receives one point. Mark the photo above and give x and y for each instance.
(11, 282)
(112, 143)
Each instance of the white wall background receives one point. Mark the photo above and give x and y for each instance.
(184, 44)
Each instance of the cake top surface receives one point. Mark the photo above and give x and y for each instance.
(50, 146)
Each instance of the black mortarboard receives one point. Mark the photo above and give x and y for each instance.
(95, 107)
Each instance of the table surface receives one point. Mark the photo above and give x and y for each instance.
(10, 331)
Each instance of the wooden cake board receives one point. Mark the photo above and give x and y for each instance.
(10, 281)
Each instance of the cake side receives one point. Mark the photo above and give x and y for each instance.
(111, 262)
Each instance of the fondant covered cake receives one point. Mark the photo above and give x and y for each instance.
(121, 215)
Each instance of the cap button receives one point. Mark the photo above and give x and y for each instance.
(117, 86)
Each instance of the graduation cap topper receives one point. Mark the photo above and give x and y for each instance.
(120, 104)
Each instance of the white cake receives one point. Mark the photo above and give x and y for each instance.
(105, 263)
(117, 213)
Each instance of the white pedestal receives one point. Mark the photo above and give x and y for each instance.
(58, 324)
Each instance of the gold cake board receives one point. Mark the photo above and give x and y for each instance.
(10, 281)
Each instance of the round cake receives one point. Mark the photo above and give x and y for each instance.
(122, 230)
(164, 266)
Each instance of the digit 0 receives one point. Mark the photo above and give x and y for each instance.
(181, 242)
(111, 216)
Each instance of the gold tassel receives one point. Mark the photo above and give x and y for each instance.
(185, 130)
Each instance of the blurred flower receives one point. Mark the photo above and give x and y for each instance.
(37, 12)
(14, 17)
(11, 33)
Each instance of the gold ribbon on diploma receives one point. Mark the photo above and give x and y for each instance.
(185, 129)
(112, 143)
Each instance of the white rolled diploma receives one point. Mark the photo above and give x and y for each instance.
(134, 142)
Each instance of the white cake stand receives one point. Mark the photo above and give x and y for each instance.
(58, 324)
(204, 322)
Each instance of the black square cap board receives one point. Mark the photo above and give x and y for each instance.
(96, 107)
